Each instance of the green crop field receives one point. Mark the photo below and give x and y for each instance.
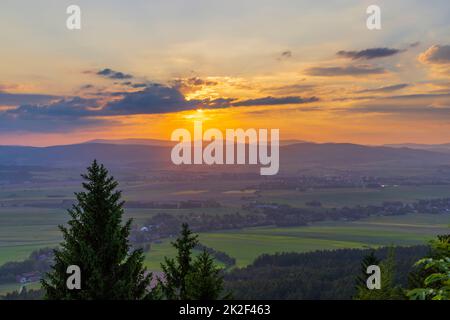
(24, 229)
(246, 244)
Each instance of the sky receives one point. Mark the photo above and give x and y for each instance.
(141, 69)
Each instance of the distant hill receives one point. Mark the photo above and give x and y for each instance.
(83, 154)
(144, 142)
(166, 143)
(444, 148)
(347, 154)
(292, 156)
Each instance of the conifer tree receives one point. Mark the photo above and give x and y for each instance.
(205, 281)
(389, 290)
(174, 286)
(368, 260)
(96, 241)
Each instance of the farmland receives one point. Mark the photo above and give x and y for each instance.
(246, 244)
(25, 228)
(29, 217)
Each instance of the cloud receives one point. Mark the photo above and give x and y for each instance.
(73, 107)
(285, 55)
(386, 88)
(15, 99)
(138, 85)
(344, 71)
(432, 106)
(63, 115)
(436, 54)
(218, 103)
(164, 99)
(87, 86)
(302, 109)
(192, 84)
(369, 54)
(271, 101)
(111, 74)
(152, 100)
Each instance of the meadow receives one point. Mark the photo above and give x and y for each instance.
(24, 229)
(246, 244)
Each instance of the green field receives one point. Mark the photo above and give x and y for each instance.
(24, 229)
(246, 244)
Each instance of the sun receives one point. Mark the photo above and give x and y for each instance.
(198, 114)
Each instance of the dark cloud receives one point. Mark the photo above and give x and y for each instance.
(67, 114)
(269, 101)
(138, 85)
(192, 84)
(15, 99)
(134, 85)
(369, 54)
(302, 109)
(285, 55)
(436, 55)
(344, 71)
(63, 115)
(111, 74)
(153, 99)
(217, 103)
(87, 86)
(74, 107)
(386, 88)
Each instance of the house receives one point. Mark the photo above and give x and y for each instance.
(28, 277)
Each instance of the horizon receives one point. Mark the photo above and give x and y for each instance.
(294, 141)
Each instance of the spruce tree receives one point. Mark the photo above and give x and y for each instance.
(186, 278)
(389, 290)
(176, 271)
(205, 281)
(368, 260)
(96, 240)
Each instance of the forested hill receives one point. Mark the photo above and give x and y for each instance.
(313, 275)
